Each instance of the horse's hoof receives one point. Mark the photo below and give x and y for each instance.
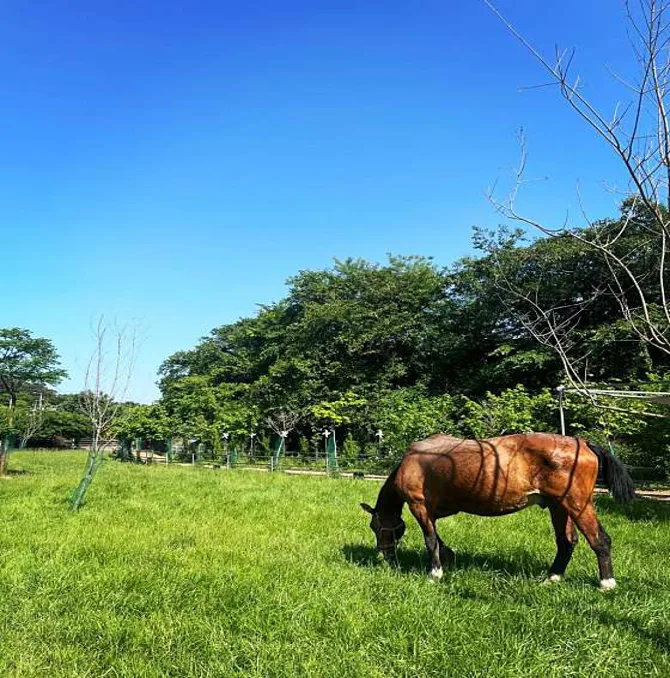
(607, 584)
(552, 579)
(435, 574)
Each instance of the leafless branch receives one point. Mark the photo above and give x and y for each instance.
(638, 132)
(106, 381)
(108, 373)
(282, 422)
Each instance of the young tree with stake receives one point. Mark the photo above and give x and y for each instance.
(106, 382)
(282, 422)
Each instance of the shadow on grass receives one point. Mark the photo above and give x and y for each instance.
(17, 472)
(658, 638)
(641, 508)
(413, 560)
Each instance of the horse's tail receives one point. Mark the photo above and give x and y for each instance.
(617, 479)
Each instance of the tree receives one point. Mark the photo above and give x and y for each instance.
(106, 381)
(351, 331)
(63, 417)
(202, 411)
(31, 421)
(282, 422)
(557, 275)
(632, 252)
(362, 327)
(27, 364)
(337, 412)
(408, 414)
(149, 422)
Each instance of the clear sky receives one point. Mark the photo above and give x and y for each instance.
(173, 163)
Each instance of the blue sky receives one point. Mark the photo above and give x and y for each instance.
(173, 163)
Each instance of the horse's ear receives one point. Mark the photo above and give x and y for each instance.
(368, 508)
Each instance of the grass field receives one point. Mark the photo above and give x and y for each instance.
(194, 572)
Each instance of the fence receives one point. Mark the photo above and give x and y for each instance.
(266, 460)
(261, 458)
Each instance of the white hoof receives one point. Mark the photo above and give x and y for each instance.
(551, 579)
(435, 574)
(607, 584)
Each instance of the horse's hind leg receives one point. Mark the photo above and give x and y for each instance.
(431, 539)
(599, 541)
(566, 538)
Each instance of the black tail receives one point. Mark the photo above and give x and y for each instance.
(614, 474)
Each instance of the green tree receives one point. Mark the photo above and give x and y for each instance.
(27, 364)
(149, 422)
(514, 410)
(409, 414)
(409, 348)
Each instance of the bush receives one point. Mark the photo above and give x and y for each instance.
(303, 447)
(408, 414)
(350, 448)
(513, 411)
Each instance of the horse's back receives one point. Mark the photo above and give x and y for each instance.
(550, 449)
(495, 475)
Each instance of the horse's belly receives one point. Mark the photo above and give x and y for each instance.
(491, 512)
(500, 506)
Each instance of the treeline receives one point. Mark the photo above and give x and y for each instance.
(409, 348)
(398, 350)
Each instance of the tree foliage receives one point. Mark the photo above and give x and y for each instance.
(27, 362)
(408, 348)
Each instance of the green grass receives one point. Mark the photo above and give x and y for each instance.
(195, 572)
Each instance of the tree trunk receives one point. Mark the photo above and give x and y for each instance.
(86, 480)
(94, 458)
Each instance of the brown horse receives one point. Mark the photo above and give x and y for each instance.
(441, 476)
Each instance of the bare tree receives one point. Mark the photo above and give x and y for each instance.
(638, 133)
(32, 421)
(106, 380)
(282, 422)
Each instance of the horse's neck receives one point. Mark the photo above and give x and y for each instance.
(389, 501)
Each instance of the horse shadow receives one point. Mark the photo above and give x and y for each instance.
(410, 560)
(657, 637)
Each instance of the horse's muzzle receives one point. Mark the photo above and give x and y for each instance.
(389, 553)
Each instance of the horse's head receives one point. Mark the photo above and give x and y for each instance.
(388, 530)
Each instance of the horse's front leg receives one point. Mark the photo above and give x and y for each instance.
(447, 556)
(427, 524)
(566, 538)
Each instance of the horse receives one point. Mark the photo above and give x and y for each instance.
(442, 475)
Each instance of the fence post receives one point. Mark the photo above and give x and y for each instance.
(331, 453)
(226, 449)
(561, 392)
(280, 447)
